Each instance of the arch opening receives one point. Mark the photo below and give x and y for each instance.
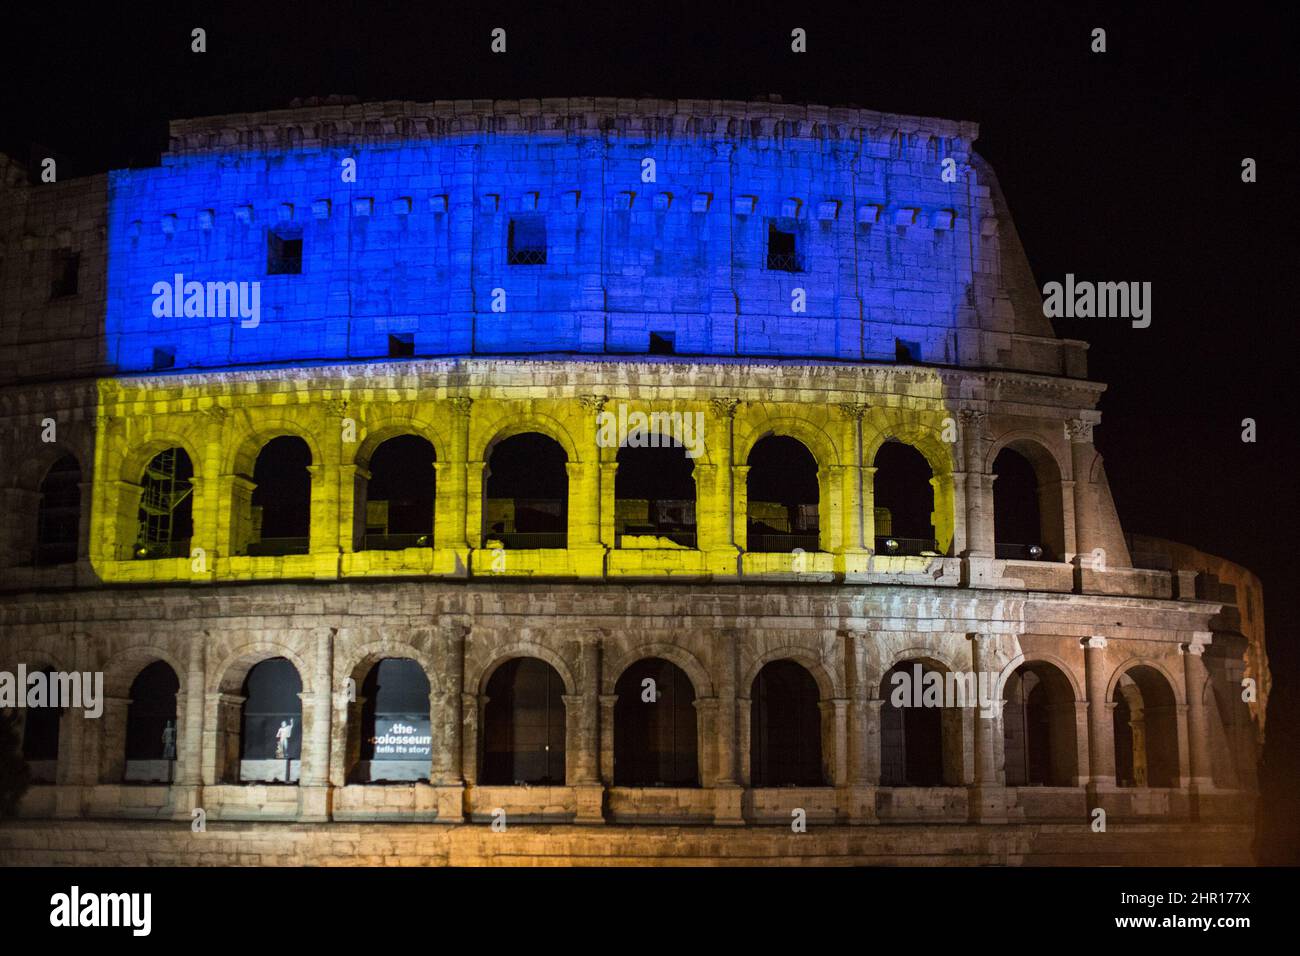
(151, 727)
(783, 497)
(268, 739)
(785, 732)
(396, 503)
(1145, 726)
(281, 500)
(654, 497)
(1027, 516)
(390, 725)
(58, 516)
(920, 737)
(655, 732)
(524, 725)
(1038, 728)
(904, 501)
(165, 519)
(526, 493)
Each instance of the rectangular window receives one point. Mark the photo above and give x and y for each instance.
(164, 357)
(401, 345)
(284, 251)
(663, 343)
(527, 241)
(782, 249)
(66, 266)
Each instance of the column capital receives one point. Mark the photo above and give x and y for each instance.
(724, 407)
(460, 405)
(853, 411)
(336, 406)
(1096, 642)
(1080, 430)
(973, 418)
(593, 403)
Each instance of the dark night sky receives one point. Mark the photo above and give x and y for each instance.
(1121, 166)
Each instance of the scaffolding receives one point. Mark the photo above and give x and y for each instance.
(163, 494)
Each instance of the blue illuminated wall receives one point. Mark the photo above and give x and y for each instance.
(416, 246)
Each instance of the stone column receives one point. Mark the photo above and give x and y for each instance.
(314, 788)
(450, 525)
(187, 791)
(728, 792)
(978, 493)
(585, 493)
(740, 506)
(988, 796)
(853, 543)
(207, 510)
(1101, 740)
(857, 795)
(608, 475)
(607, 702)
(1082, 454)
(81, 740)
(834, 713)
(111, 765)
(445, 696)
(582, 718)
(471, 707)
(1198, 727)
(715, 495)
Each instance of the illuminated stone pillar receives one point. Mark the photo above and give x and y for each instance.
(740, 507)
(856, 798)
(853, 499)
(607, 702)
(979, 486)
(988, 796)
(585, 491)
(728, 793)
(452, 529)
(1198, 727)
(447, 691)
(1101, 740)
(314, 788)
(715, 497)
(1082, 455)
(111, 730)
(608, 477)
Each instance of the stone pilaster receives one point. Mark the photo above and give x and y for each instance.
(1198, 728)
(1101, 740)
(314, 788)
(989, 800)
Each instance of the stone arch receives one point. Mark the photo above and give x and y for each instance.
(1145, 726)
(688, 662)
(1039, 723)
(508, 426)
(813, 437)
(394, 425)
(482, 673)
(926, 439)
(359, 660)
(136, 458)
(1041, 657)
(1120, 670)
(1047, 461)
(828, 684)
(228, 676)
(121, 670)
(245, 447)
(920, 746)
(926, 655)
